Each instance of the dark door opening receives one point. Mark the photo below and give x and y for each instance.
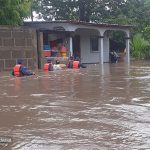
(76, 46)
(119, 48)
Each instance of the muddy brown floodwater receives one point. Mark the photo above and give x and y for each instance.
(97, 108)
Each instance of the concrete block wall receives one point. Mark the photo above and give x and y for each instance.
(17, 42)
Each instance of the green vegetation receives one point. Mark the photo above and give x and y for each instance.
(139, 47)
(12, 12)
(133, 12)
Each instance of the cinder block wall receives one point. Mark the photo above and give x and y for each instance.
(17, 42)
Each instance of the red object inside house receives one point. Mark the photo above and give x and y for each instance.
(46, 53)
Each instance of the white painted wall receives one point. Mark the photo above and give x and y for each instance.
(86, 55)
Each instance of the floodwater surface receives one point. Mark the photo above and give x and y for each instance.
(97, 108)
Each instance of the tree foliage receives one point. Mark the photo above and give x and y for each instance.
(65, 9)
(140, 47)
(12, 12)
(110, 11)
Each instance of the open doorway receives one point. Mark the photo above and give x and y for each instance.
(117, 44)
(76, 47)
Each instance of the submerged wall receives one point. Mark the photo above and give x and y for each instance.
(17, 42)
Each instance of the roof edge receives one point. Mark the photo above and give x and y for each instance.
(83, 23)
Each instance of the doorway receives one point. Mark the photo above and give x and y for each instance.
(76, 46)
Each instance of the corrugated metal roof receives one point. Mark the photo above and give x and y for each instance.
(80, 23)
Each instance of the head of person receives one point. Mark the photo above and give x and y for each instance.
(20, 61)
(57, 62)
(49, 60)
(71, 57)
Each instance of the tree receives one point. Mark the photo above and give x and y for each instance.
(86, 9)
(12, 12)
(79, 10)
(138, 14)
(114, 11)
(54, 9)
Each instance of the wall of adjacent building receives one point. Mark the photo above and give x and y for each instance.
(17, 42)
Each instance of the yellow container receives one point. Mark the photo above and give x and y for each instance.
(63, 54)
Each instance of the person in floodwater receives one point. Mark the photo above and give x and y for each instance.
(59, 66)
(114, 57)
(75, 63)
(48, 66)
(20, 70)
(70, 62)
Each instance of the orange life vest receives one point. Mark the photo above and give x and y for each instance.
(46, 66)
(16, 70)
(75, 64)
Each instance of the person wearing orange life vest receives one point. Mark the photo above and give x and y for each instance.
(20, 70)
(75, 64)
(48, 66)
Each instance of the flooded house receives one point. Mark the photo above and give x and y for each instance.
(88, 41)
(37, 41)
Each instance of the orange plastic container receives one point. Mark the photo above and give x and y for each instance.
(46, 53)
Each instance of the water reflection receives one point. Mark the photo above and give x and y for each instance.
(88, 109)
(17, 84)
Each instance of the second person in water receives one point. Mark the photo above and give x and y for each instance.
(75, 63)
(48, 66)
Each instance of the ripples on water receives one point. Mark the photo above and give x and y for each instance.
(97, 108)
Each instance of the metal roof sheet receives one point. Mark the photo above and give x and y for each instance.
(80, 23)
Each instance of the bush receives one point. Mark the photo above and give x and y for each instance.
(140, 47)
